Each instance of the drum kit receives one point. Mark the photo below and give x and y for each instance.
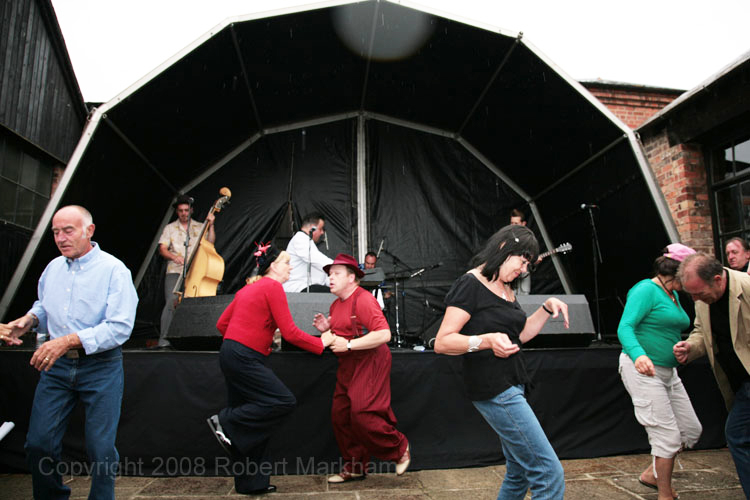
(392, 287)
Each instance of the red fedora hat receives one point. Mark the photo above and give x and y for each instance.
(345, 260)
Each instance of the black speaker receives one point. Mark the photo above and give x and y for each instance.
(193, 326)
(304, 307)
(553, 334)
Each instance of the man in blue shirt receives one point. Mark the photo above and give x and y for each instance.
(87, 305)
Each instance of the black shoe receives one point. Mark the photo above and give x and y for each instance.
(262, 491)
(220, 435)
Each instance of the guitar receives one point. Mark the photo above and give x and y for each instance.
(205, 266)
(564, 248)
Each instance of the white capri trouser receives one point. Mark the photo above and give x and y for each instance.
(663, 407)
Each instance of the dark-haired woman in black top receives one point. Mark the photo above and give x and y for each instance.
(484, 320)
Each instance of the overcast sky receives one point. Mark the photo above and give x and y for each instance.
(662, 43)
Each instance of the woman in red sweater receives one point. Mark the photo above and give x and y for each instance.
(258, 400)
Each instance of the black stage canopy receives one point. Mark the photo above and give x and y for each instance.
(402, 126)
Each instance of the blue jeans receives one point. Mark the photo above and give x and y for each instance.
(530, 460)
(97, 381)
(737, 431)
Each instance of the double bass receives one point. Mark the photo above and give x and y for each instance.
(205, 267)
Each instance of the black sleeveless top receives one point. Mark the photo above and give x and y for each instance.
(485, 375)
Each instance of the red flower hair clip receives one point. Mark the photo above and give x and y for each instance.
(262, 249)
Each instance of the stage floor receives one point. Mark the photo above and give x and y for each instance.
(577, 396)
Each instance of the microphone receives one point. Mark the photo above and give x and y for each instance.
(325, 238)
(377, 256)
(312, 230)
(191, 200)
(584, 206)
(434, 266)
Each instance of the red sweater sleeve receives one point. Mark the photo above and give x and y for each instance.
(283, 319)
(223, 322)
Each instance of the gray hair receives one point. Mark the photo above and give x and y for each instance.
(703, 265)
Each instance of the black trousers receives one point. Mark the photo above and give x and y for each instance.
(257, 401)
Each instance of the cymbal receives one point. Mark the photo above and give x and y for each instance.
(397, 276)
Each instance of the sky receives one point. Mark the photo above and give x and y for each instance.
(660, 43)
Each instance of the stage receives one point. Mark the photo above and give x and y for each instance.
(577, 395)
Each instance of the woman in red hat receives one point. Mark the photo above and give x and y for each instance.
(363, 421)
(258, 400)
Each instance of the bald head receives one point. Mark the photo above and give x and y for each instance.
(73, 227)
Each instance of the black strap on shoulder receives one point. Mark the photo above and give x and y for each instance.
(356, 331)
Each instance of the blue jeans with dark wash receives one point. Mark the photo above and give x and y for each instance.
(97, 381)
(531, 462)
(737, 431)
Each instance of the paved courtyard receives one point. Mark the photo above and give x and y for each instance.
(704, 475)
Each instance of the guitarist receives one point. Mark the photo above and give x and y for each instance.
(522, 284)
(172, 248)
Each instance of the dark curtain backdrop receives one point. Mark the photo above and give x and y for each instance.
(628, 238)
(292, 173)
(577, 395)
(429, 201)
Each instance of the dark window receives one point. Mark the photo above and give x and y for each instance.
(25, 181)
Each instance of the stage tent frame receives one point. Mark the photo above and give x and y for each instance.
(468, 132)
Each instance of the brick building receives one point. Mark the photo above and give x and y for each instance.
(633, 104)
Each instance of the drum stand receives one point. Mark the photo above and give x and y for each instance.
(398, 341)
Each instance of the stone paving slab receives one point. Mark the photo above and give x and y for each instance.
(705, 475)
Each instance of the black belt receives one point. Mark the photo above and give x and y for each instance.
(75, 353)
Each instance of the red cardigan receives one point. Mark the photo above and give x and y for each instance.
(255, 313)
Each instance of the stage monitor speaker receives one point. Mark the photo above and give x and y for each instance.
(554, 334)
(304, 307)
(193, 326)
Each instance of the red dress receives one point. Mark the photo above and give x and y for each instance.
(363, 421)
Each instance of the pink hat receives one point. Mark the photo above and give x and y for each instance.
(345, 260)
(678, 251)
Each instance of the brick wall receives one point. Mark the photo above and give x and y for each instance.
(631, 104)
(680, 171)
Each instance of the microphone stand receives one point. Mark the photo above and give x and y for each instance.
(187, 243)
(596, 254)
(396, 263)
(309, 258)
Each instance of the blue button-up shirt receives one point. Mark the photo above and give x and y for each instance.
(92, 296)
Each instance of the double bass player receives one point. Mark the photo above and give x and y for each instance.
(172, 249)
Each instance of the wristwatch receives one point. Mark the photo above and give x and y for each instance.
(474, 343)
(349, 345)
